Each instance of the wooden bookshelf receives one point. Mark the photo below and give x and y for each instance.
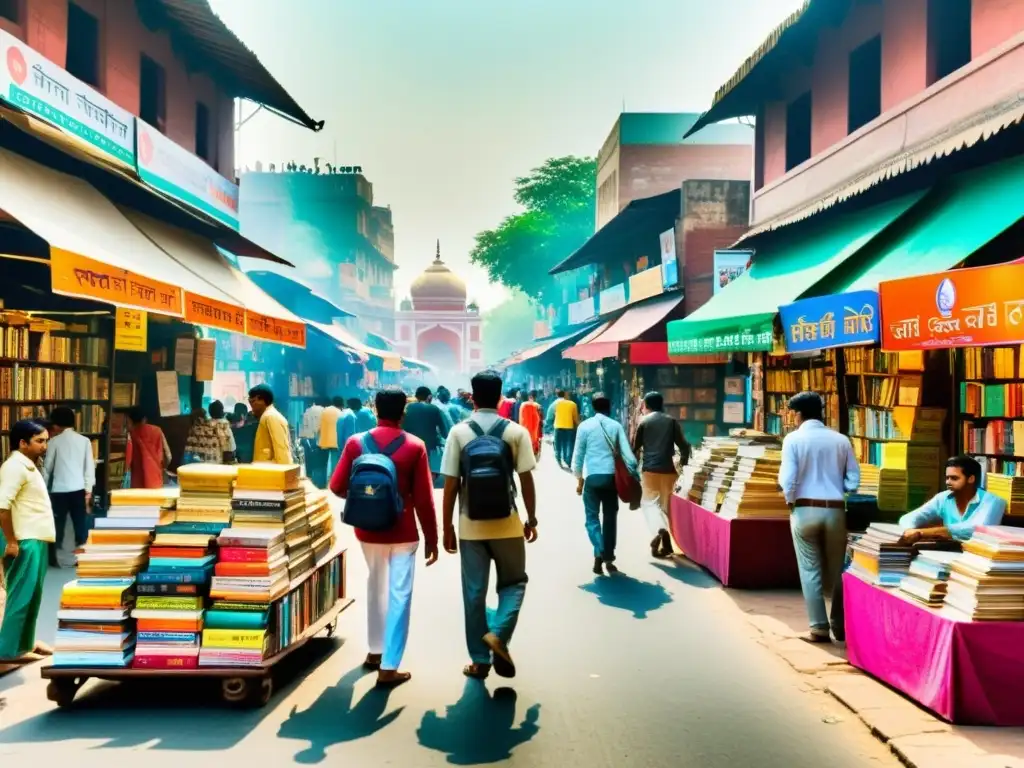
(991, 408)
(788, 376)
(693, 395)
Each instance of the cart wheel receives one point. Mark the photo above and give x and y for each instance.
(235, 690)
(261, 694)
(62, 691)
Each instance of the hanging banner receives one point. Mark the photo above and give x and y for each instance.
(839, 320)
(186, 177)
(644, 285)
(131, 330)
(961, 308)
(669, 261)
(755, 335)
(728, 265)
(34, 84)
(74, 275)
(271, 329)
(582, 311)
(200, 310)
(612, 299)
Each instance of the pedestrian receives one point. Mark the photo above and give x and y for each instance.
(424, 419)
(532, 419)
(456, 412)
(818, 469)
(507, 404)
(599, 441)
(244, 431)
(564, 416)
(69, 472)
(309, 437)
(481, 458)
(222, 430)
(330, 433)
(273, 440)
(391, 553)
(27, 525)
(362, 417)
(147, 455)
(203, 444)
(657, 437)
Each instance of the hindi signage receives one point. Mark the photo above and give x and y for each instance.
(74, 275)
(755, 336)
(961, 308)
(839, 320)
(34, 84)
(131, 330)
(186, 177)
(200, 310)
(271, 329)
(669, 261)
(728, 265)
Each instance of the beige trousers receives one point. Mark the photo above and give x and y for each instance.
(657, 486)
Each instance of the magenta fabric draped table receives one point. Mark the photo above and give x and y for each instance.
(745, 554)
(969, 673)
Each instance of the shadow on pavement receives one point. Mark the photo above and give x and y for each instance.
(479, 728)
(162, 712)
(334, 719)
(628, 594)
(690, 575)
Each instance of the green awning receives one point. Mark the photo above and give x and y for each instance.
(740, 317)
(954, 222)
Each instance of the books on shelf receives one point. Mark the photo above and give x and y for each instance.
(879, 557)
(996, 437)
(94, 628)
(987, 582)
(871, 360)
(992, 400)
(870, 478)
(901, 423)
(993, 363)
(1009, 488)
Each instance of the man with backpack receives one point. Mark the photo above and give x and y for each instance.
(481, 458)
(384, 477)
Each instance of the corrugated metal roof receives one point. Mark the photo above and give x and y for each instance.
(226, 58)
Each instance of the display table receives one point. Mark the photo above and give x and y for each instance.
(746, 554)
(969, 673)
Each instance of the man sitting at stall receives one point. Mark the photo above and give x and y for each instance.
(957, 511)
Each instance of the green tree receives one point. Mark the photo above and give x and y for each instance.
(508, 327)
(558, 201)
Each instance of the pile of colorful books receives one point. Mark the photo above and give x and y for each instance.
(1009, 488)
(986, 583)
(94, 628)
(928, 576)
(879, 557)
(321, 521)
(118, 545)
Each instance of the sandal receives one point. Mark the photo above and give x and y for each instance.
(372, 661)
(477, 671)
(392, 678)
(503, 664)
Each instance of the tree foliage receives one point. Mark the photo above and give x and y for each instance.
(558, 201)
(508, 327)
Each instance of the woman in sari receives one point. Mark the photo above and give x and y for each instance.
(148, 455)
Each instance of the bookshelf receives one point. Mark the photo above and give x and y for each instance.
(693, 396)
(991, 408)
(787, 376)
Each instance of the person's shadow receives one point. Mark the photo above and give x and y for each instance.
(479, 729)
(628, 594)
(333, 719)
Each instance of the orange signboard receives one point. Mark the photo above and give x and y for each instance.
(75, 275)
(271, 329)
(960, 308)
(200, 310)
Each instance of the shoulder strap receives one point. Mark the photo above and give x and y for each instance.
(498, 430)
(369, 444)
(611, 443)
(476, 428)
(393, 446)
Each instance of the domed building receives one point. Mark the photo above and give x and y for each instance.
(435, 325)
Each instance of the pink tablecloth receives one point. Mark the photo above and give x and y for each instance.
(970, 673)
(746, 554)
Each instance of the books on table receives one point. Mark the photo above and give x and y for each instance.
(928, 576)
(879, 557)
(987, 582)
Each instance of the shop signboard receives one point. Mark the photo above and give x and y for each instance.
(960, 308)
(75, 275)
(272, 329)
(581, 311)
(754, 337)
(178, 173)
(34, 84)
(130, 330)
(612, 299)
(728, 265)
(669, 261)
(646, 284)
(838, 320)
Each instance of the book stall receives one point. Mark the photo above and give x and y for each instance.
(220, 579)
(940, 621)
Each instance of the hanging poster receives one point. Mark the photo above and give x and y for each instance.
(206, 354)
(728, 265)
(669, 261)
(184, 355)
(131, 330)
(167, 393)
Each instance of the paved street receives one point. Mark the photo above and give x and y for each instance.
(655, 667)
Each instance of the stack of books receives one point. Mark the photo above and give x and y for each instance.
(928, 576)
(869, 480)
(94, 628)
(986, 583)
(1010, 489)
(118, 545)
(754, 492)
(879, 558)
(206, 493)
(321, 521)
(281, 509)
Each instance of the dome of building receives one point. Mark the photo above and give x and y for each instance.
(438, 285)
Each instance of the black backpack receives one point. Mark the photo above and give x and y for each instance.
(487, 474)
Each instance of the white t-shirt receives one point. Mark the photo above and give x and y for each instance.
(460, 436)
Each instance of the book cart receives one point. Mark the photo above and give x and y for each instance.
(244, 686)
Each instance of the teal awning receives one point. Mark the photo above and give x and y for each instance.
(955, 221)
(740, 317)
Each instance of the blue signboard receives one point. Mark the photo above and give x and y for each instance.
(839, 320)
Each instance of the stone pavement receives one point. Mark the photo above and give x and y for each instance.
(916, 737)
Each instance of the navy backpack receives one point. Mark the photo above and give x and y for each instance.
(487, 473)
(374, 502)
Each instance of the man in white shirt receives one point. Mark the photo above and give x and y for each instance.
(309, 433)
(69, 471)
(818, 470)
(26, 522)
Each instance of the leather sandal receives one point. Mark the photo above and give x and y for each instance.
(477, 671)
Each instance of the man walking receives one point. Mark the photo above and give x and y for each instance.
(330, 431)
(363, 419)
(657, 437)
(69, 471)
(424, 419)
(309, 435)
(532, 419)
(273, 441)
(391, 554)
(818, 470)
(565, 417)
(26, 522)
(481, 458)
(455, 410)
(599, 440)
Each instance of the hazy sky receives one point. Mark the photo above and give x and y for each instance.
(444, 102)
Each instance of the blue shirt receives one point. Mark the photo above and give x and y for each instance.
(817, 463)
(593, 454)
(346, 427)
(365, 420)
(984, 509)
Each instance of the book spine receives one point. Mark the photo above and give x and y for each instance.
(253, 639)
(166, 662)
(241, 555)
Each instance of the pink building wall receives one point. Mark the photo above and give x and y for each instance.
(123, 39)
